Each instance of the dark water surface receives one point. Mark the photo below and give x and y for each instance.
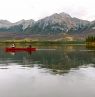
(59, 71)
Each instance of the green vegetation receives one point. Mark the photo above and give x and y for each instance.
(43, 42)
(90, 42)
(90, 39)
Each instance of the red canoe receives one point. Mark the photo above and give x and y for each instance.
(20, 49)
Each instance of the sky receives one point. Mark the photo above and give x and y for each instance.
(15, 10)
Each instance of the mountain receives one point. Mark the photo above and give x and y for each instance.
(25, 23)
(6, 26)
(58, 23)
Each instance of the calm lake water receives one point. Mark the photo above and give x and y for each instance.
(58, 71)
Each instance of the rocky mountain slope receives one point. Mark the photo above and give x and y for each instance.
(55, 24)
(58, 23)
(20, 26)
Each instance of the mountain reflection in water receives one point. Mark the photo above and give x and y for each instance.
(53, 71)
(58, 61)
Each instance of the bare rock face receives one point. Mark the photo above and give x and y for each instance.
(58, 23)
(25, 23)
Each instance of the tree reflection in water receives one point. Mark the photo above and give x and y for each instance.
(58, 61)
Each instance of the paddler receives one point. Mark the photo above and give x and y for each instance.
(13, 45)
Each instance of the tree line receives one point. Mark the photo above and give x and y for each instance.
(90, 39)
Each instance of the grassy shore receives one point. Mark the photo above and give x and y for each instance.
(46, 42)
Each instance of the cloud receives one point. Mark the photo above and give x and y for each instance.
(15, 10)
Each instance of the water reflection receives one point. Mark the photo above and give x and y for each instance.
(58, 61)
(64, 72)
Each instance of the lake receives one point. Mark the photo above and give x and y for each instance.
(58, 71)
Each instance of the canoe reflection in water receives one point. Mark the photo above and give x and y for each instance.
(14, 50)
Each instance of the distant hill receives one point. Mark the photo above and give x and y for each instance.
(20, 26)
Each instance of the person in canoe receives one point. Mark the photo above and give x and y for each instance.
(13, 46)
(30, 46)
(29, 51)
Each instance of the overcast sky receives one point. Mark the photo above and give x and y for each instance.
(15, 10)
